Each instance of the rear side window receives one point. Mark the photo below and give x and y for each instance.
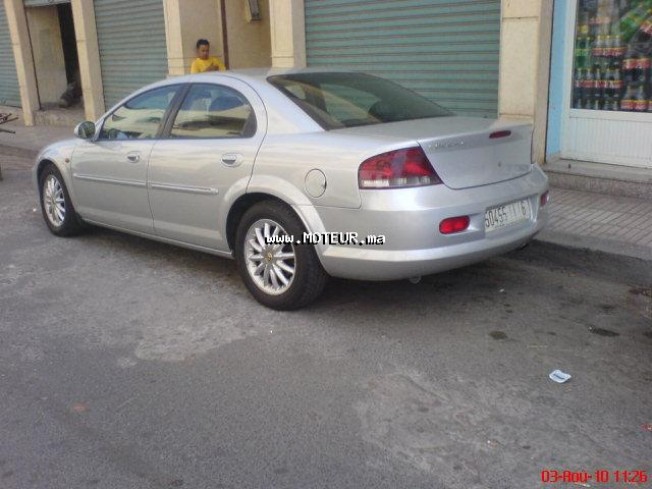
(139, 117)
(214, 111)
(336, 100)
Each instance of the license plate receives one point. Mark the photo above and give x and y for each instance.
(505, 215)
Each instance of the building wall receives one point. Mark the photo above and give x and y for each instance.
(288, 33)
(526, 29)
(248, 40)
(88, 52)
(186, 22)
(524, 65)
(39, 60)
(20, 40)
(280, 35)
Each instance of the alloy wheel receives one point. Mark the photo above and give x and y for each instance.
(270, 256)
(54, 201)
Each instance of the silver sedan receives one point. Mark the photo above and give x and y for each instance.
(299, 175)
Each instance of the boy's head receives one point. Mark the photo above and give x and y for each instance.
(203, 47)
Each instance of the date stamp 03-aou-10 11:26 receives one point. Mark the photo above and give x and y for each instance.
(600, 476)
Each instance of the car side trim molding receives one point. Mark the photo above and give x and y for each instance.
(184, 188)
(115, 181)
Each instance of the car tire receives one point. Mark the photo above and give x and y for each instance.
(56, 206)
(281, 276)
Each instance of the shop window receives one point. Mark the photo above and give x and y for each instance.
(613, 49)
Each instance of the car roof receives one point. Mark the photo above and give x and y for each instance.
(251, 75)
(288, 117)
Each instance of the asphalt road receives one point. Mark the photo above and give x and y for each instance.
(125, 363)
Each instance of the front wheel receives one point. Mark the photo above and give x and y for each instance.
(57, 208)
(278, 272)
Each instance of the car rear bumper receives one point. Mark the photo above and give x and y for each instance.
(408, 223)
(378, 264)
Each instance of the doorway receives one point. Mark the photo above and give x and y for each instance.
(72, 96)
(56, 63)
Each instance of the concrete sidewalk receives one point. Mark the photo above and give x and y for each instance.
(617, 225)
(578, 219)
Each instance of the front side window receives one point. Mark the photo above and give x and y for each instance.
(336, 100)
(214, 111)
(140, 117)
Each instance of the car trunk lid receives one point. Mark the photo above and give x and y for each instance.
(464, 151)
(481, 153)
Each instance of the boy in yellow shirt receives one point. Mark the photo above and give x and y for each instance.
(204, 62)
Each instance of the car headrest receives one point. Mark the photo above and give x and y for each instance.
(225, 102)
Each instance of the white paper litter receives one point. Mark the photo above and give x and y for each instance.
(559, 376)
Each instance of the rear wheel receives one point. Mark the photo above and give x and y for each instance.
(278, 272)
(57, 208)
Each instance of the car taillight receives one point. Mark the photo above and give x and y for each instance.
(397, 169)
(454, 224)
(543, 200)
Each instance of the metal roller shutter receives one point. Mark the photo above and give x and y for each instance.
(43, 3)
(9, 90)
(446, 50)
(133, 52)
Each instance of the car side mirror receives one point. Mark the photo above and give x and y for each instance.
(85, 130)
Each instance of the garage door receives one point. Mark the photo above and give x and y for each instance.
(9, 91)
(43, 3)
(445, 50)
(133, 52)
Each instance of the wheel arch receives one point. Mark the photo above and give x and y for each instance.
(42, 164)
(40, 167)
(306, 213)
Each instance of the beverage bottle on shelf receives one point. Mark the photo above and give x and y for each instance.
(643, 64)
(599, 82)
(640, 99)
(610, 50)
(587, 85)
(608, 77)
(599, 47)
(619, 48)
(583, 24)
(609, 103)
(627, 103)
(578, 89)
(642, 68)
(629, 69)
(596, 103)
(582, 52)
(587, 51)
(618, 80)
(578, 51)
(612, 77)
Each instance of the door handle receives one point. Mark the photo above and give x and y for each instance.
(133, 157)
(231, 159)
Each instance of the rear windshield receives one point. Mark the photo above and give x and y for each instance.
(336, 100)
